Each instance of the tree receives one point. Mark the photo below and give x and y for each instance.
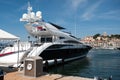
(96, 35)
(115, 36)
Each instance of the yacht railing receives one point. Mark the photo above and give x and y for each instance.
(39, 49)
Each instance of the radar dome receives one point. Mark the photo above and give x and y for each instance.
(24, 16)
(39, 14)
(32, 15)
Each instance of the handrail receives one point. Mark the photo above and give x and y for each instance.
(32, 51)
(26, 53)
(37, 51)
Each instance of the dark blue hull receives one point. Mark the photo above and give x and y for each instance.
(49, 54)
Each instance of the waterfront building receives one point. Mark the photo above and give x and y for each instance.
(103, 41)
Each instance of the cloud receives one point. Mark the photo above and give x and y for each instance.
(89, 13)
(112, 14)
(76, 3)
(23, 7)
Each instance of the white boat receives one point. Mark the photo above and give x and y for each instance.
(51, 43)
(9, 55)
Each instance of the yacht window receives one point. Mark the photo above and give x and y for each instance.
(71, 41)
(42, 39)
(61, 37)
(55, 46)
(47, 39)
(11, 45)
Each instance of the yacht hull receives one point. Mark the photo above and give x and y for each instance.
(64, 53)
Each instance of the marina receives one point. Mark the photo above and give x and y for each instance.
(51, 51)
(49, 42)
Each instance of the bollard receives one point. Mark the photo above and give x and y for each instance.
(33, 66)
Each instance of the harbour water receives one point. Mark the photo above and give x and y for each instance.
(99, 62)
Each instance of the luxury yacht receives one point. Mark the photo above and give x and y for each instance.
(50, 41)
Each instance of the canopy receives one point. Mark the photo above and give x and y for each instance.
(7, 36)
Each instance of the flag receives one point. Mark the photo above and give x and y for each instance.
(39, 28)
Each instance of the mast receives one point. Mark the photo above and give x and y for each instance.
(29, 9)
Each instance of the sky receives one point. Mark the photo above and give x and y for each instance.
(80, 17)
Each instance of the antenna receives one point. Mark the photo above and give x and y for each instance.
(29, 8)
(75, 25)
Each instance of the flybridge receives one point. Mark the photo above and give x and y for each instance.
(31, 16)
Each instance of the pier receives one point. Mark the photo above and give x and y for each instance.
(45, 76)
(21, 75)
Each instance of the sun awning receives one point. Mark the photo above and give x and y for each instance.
(7, 36)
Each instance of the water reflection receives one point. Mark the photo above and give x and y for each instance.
(74, 66)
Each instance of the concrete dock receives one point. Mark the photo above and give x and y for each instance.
(19, 76)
